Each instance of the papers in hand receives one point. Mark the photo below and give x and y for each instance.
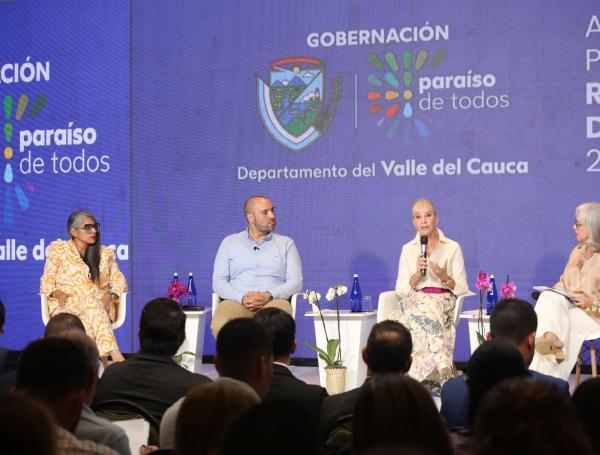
(558, 291)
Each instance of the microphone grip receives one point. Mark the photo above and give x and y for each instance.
(424, 269)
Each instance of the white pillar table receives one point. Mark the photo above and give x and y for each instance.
(195, 323)
(355, 329)
(472, 316)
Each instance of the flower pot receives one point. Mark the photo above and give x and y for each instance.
(335, 379)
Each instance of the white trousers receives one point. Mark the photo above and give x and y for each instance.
(571, 325)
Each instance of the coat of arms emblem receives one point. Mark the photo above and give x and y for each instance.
(292, 105)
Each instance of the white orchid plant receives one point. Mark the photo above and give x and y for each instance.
(332, 356)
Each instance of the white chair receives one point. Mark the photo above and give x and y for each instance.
(389, 299)
(216, 300)
(121, 310)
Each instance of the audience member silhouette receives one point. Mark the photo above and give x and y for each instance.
(526, 416)
(388, 350)
(397, 409)
(55, 372)
(151, 378)
(245, 353)
(586, 401)
(26, 426)
(512, 320)
(207, 412)
(284, 384)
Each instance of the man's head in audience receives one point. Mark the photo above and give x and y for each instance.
(282, 328)
(208, 411)
(26, 425)
(162, 327)
(70, 327)
(245, 353)
(586, 401)
(55, 371)
(92, 357)
(523, 415)
(492, 362)
(515, 321)
(63, 323)
(389, 348)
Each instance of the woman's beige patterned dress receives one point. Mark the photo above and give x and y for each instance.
(65, 271)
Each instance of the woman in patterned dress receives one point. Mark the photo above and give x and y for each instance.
(82, 277)
(427, 301)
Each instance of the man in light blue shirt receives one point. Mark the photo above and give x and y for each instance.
(255, 268)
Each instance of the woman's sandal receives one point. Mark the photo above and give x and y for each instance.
(545, 346)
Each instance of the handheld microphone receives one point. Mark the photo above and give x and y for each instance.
(424, 241)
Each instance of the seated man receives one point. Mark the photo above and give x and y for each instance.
(90, 426)
(55, 372)
(492, 362)
(151, 378)
(284, 384)
(512, 320)
(255, 268)
(388, 350)
(244, 353)
(57, 326)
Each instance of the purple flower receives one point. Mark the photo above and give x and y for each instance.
(483, 282)
(508, 290)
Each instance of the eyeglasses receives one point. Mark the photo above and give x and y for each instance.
(89, 227)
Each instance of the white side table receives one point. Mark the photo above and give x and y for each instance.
(355, 329)
(472, 316)
(195, 323)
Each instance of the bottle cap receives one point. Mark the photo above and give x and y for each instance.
(356, 275)
(492, 275)
(175, 274)
(190, 274)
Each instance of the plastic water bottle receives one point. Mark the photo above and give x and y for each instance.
(175, 278)
(492, 295)
(355, 295)
(191, 297)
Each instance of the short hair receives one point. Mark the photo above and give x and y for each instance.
(396, 409)
(422, 201)
(492, 362)
(240, 343)
(590, 216)
(248, 202)
(87, 345)
(26, 425)
(586, 401)
(512, 319)
(524, 415)
(62, 323)
(207, 412)
(162, 326)
(51, 368)
(281, 327)
(389, 346)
